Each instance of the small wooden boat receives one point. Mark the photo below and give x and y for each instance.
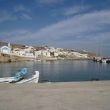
(33, 79)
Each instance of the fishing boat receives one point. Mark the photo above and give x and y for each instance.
(21, 77)
(105, 60)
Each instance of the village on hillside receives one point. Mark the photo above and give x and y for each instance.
(10, 52)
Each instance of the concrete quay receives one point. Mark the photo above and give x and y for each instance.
(94, 95)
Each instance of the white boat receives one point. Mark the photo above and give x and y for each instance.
(104, 60)
(33, 79)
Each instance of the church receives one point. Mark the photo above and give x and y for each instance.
(5, 49)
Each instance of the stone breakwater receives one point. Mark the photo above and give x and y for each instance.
(56, 96)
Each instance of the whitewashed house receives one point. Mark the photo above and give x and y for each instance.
(45, 53)
(6, 49)
(29, 54)
(29, 49)
(18, 52)
(56, 54)
(23, 52)
(52, 49)
(38, 53)
(42, 53)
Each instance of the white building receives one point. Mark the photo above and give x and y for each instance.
(46, 53)
(18, 52)
(42, 53)
(56, 54)
(23, 52)
(38, 53)
(6, 49)
(29, 49)
(29, 55)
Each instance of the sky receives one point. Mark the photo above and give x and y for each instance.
(71, 24)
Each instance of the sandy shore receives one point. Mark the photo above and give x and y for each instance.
(56, 96)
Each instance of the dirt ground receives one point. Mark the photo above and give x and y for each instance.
(56, 96)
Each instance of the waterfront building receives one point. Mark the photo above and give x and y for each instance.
(18, 52)
(23, 52)
(38, 53)
(46, 53)
(29, 55)
(55, 54)
(5, 49)
(42, 53)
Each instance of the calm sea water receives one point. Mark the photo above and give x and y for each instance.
(60, 71)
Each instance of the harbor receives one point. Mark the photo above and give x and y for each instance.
(14, 53)
(54, 54)
(60, 70)
(101, 60)
(93, 95)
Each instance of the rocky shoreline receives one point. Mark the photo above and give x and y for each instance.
(5, 58)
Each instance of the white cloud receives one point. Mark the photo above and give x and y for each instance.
(48, 2)
(25, 16)
(12, 16)
(18, 12)
(21, 8)
(5, 16)
(76, 26)
(15, 33)
(74, 10)
(22, 12)
(76, 31)
(14, 36)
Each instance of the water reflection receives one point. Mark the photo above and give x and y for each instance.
(65, 70)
